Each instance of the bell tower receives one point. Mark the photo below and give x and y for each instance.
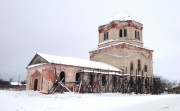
(121, 45)
(121, 28)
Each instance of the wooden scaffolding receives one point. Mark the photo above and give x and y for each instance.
(105, 81)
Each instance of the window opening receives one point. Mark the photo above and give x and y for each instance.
(106, 35)
(135, 35)
(125, 32)
(114, 81)
(145, 68)
(138, 36)
(62, 77)
(91, 78)
(131, 67)
(78, 78)
(103, 80)
(139, 65)
(120, 33)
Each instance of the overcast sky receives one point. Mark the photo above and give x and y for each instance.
(70, 28)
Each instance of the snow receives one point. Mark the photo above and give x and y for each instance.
(75, 62)
(110, 73)
(15, 83)
(121, 17)
(35, 101)
(119, 44)
(107, 41)
(34, 65)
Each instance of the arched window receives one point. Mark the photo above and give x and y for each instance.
(138, 36)
(62, 77)
(139, 65)
(135, 34)
(78, 78)
(91, 78)
(105, 35)
(103, 80)
(120, 33)
(131, 67)
(145, 68)
(125, 32)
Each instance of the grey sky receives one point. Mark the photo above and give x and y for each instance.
(70, 28)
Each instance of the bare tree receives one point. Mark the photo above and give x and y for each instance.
(167, 85)
(23, 82)
(179, 84)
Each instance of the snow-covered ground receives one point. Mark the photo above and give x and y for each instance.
(35, 101)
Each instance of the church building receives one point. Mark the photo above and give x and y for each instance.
(119, 57)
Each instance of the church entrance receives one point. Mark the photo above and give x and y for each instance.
(35, 84)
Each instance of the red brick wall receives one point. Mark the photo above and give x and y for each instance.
(36, 75)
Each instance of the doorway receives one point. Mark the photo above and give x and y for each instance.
(35, 84)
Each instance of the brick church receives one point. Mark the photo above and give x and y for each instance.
(120, 53)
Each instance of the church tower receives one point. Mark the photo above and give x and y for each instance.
(121, 45)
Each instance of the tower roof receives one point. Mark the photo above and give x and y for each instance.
(121, 17)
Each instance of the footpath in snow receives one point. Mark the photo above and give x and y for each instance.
(35, 101)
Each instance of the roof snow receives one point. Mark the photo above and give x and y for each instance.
(121, 17)
(76, 62)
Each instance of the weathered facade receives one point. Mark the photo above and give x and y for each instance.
(43, 74)
(121, 45)
(119, 64)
